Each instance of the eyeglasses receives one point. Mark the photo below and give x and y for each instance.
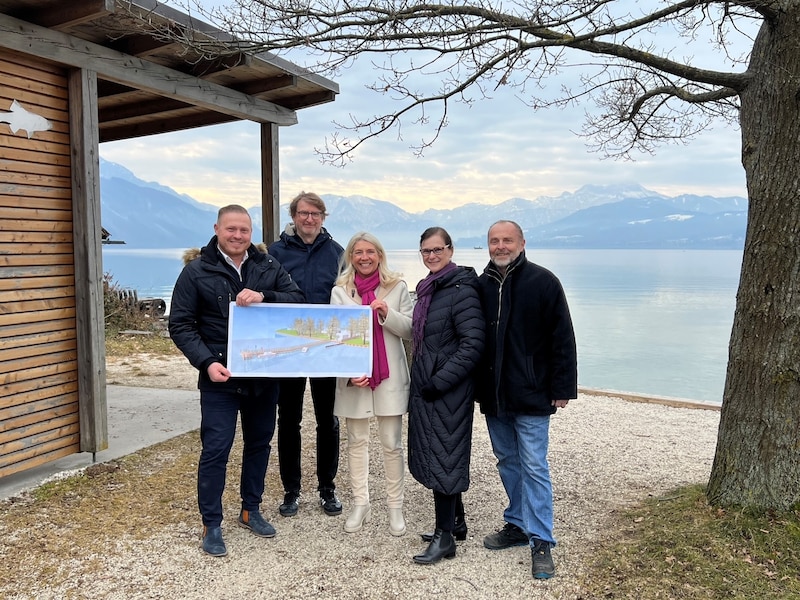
(304, 214)
(426, 252)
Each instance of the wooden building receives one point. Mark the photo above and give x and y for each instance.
(72, 75)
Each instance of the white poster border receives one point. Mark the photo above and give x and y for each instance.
(299, 340)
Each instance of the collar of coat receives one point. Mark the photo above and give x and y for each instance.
(289, 236)
(492, 271)
(191, 253)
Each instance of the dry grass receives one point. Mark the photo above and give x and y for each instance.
(678, 547)
(122, 345)
(81, 516)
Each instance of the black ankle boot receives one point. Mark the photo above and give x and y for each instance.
(459, 531)
(442, 546)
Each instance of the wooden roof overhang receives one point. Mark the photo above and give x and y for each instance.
(147, 82)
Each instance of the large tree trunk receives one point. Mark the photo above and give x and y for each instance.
(757, 460)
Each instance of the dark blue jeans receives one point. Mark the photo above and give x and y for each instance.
(219, 411)
(290, 415)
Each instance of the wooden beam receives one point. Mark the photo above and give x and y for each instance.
(167, 124)
(90, 324)
(121, 112)
(24, 37)
(126, 103)
(208, 66)
(266, 84)
(109, 89)
(307, 100)
(270, 179)
(69, 14)
(141, 45)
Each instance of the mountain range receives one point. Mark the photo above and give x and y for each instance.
(150, 215)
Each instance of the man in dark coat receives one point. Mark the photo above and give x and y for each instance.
(311, 256)
(529, 370)
(230, 268)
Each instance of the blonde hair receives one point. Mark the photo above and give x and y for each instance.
(347, 272)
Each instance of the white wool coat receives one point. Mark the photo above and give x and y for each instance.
(390, 398)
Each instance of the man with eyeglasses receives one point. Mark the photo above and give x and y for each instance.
(529, 370)
(311, 256)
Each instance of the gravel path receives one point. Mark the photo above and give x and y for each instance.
(605, 452)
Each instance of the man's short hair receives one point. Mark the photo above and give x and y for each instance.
(231, 208)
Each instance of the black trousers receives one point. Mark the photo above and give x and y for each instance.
(290, 415)
(447, 507)
(219, 411)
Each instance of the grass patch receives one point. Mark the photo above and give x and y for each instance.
(678, 547)
(51, 536)
(121, 345)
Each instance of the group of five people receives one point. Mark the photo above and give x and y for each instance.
(503, 339)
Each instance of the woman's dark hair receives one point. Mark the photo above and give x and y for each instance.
(431, 231)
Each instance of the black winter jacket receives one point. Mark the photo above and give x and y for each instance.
(313, 267)
(530, 356)
(440, 430)
(198, 316)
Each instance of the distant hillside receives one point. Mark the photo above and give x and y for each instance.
(150, 215)
(645, 223)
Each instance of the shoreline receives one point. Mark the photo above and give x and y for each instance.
(652, 399)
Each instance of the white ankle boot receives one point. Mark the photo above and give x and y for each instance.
(397, 524)
(357, 517)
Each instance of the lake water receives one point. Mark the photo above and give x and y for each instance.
(646, 321)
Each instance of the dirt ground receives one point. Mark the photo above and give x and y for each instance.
(151, 371)
(133, 532)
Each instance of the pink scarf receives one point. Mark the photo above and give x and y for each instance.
(366, 286)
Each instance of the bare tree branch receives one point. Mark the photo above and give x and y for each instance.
(472, 48)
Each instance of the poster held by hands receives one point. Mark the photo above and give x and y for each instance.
(299, 340)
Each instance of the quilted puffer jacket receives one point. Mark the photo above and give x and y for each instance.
(440, 430)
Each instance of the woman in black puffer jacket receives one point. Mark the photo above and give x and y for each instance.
(448, 335)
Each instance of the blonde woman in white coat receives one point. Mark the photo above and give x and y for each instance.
(365, 279)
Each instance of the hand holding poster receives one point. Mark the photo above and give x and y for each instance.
(299, 340)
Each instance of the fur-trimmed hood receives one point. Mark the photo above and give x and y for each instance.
(191, 253)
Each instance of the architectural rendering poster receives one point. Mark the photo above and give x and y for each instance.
(299, 340)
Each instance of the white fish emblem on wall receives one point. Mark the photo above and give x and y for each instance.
(19, 118)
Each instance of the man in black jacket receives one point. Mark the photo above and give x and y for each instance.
(529, 370)
(230, 268)
(311, 256)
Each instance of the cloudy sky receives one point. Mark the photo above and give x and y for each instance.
(492, 151)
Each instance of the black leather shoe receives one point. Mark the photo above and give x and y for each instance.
(291, 504)
(509, 536)
(442, 546)
(459, 531)
(329, 502)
